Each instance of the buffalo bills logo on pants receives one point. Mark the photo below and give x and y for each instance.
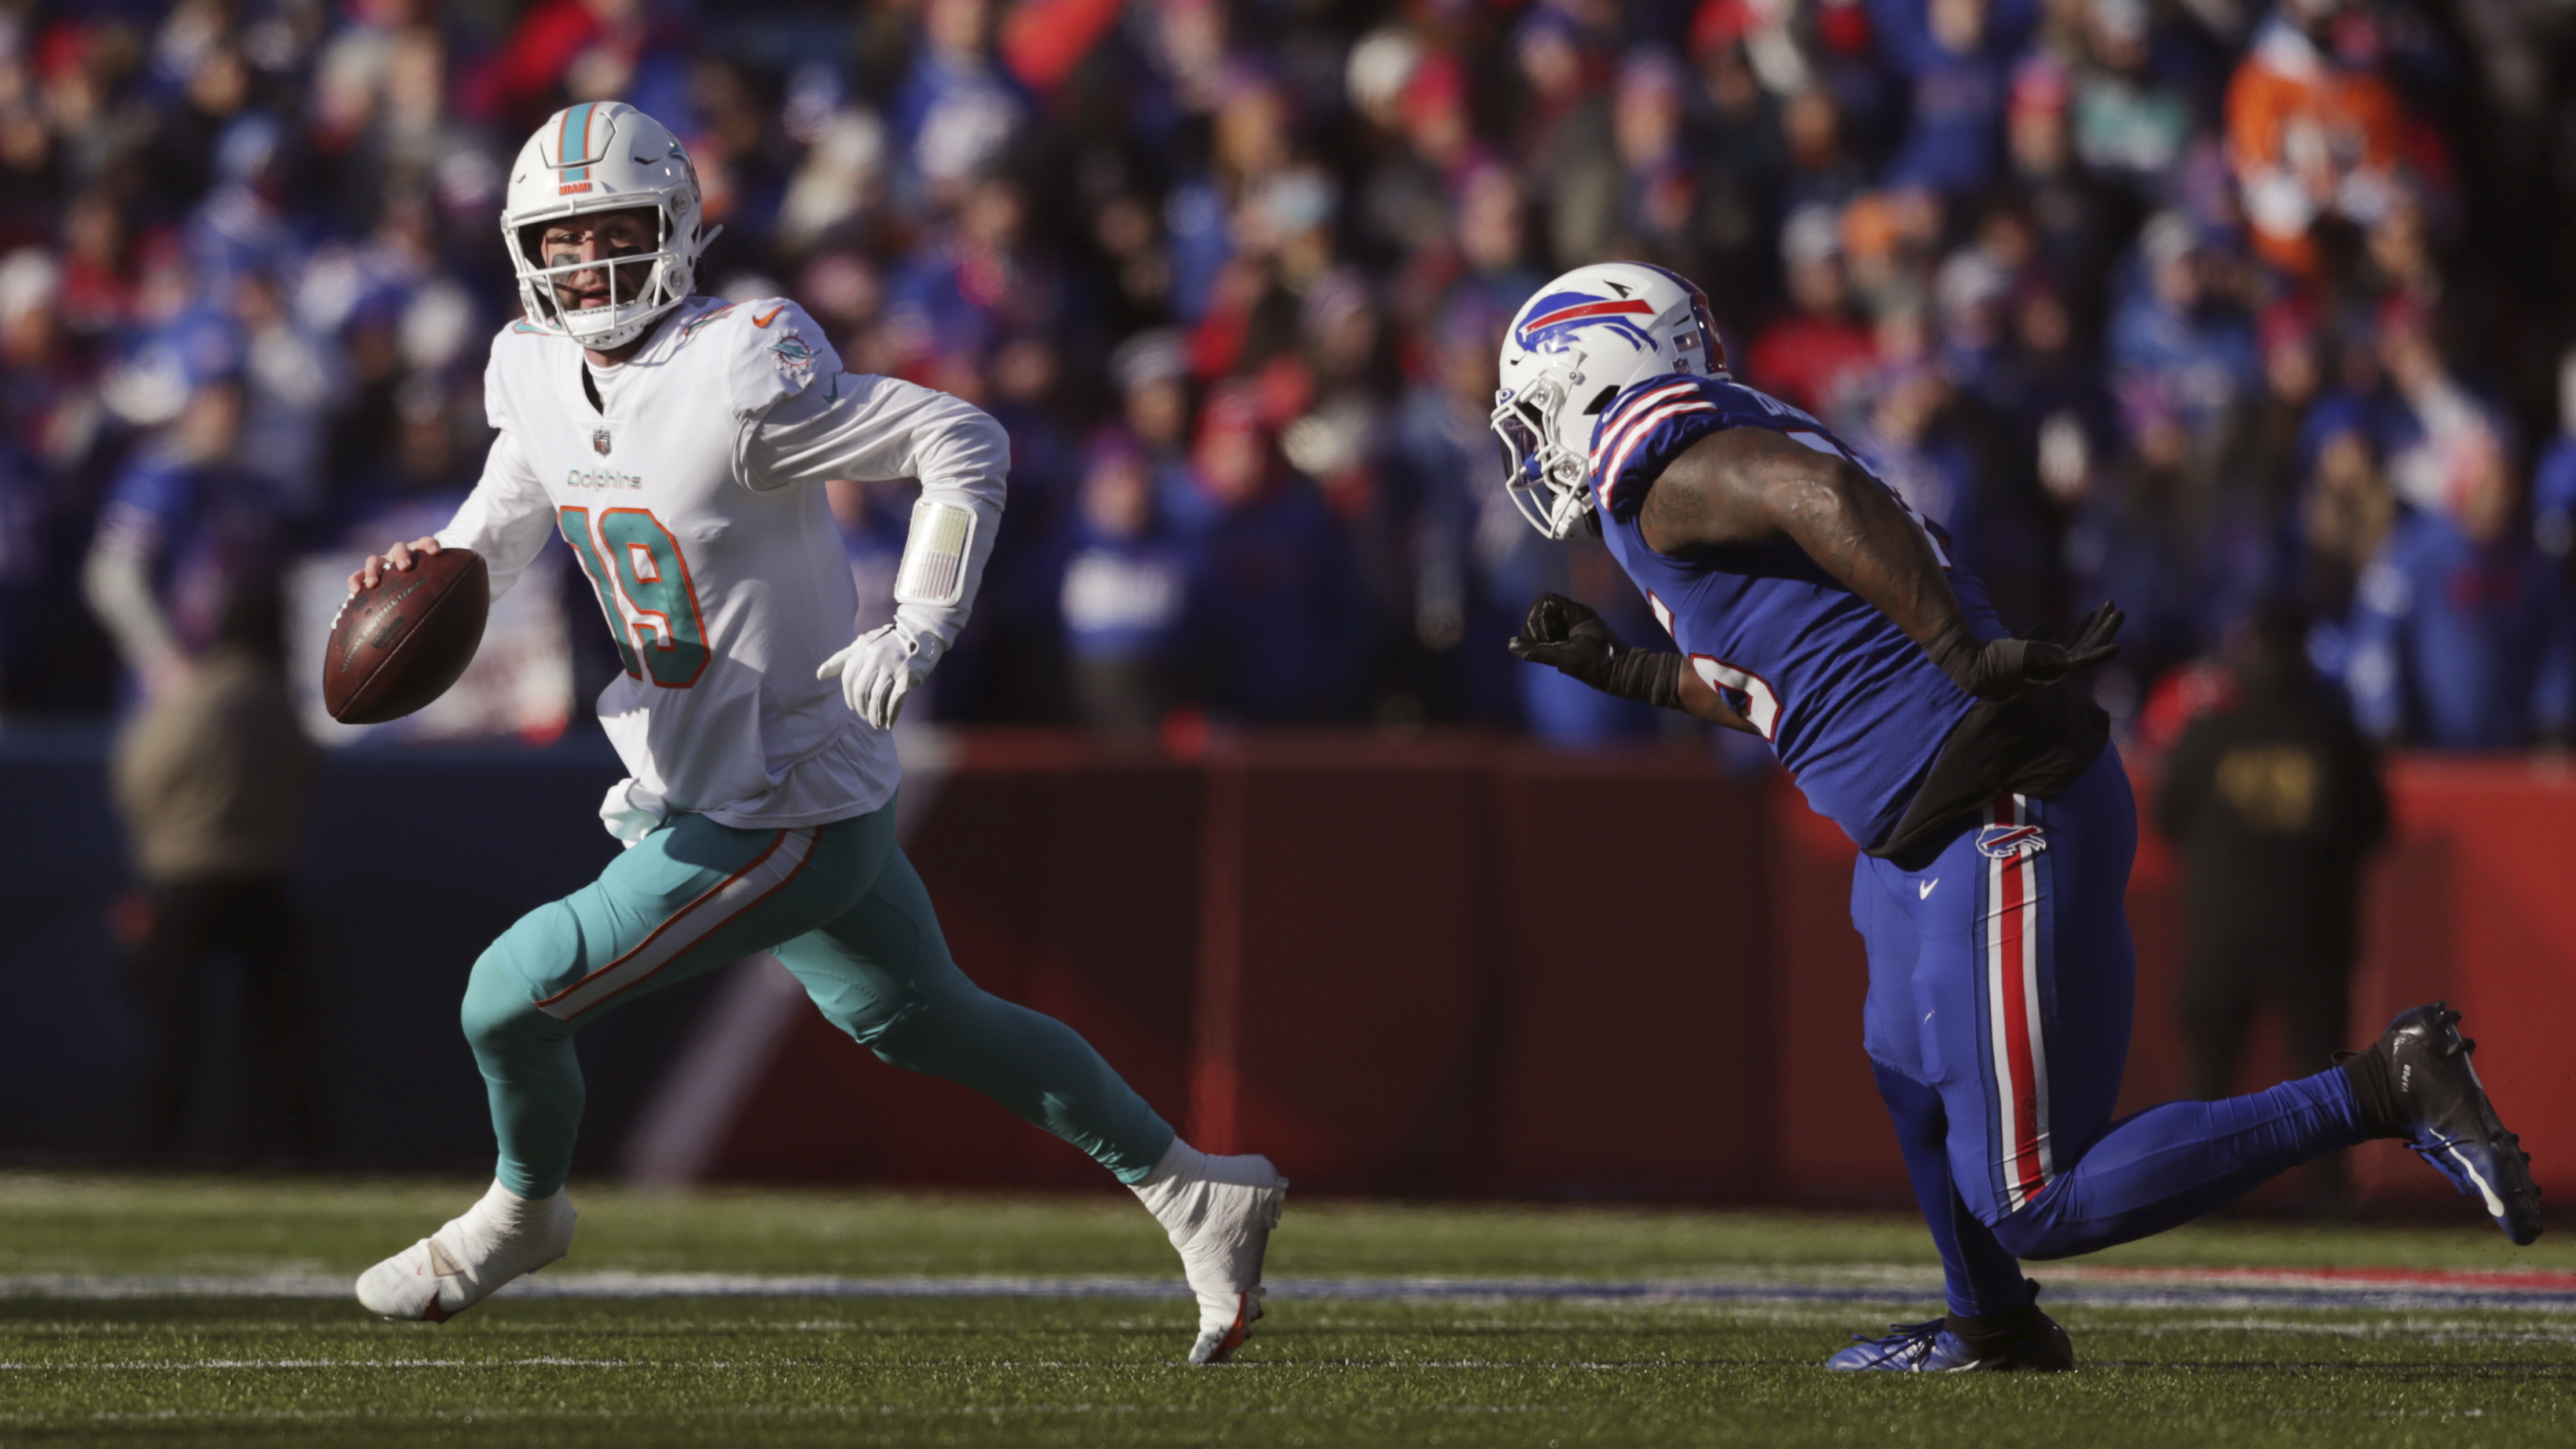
(2010, 842)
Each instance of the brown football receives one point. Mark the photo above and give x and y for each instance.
(399, 645)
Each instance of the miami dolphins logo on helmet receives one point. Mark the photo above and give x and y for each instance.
(1559, 315)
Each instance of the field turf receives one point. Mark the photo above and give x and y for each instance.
(204, 1311)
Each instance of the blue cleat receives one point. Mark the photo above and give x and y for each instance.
(2443, 1113)
(2026, 1341)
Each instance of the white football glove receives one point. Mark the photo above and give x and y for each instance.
(877, 670)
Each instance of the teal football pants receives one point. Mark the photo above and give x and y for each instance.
(842, 909)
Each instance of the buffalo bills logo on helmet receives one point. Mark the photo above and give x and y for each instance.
(2010, 842)
(1559, 315)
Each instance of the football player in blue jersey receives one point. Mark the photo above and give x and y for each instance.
(1813, 608)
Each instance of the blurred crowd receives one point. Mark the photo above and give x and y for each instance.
(2182, 303)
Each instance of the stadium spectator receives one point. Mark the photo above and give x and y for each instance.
(1277, 627)
(2442, 438)
(1816, 351)
(2072, 217)
(2174, 345)
(2312, 129)
(45, 396)
(2345, 513)
(2130, 123)
(22, 562)
(1123, 595)
(1568, 145)
(2463, 636)
(2553, 486)
(1958, 55)
(1817, 166)
(186, 530)
(996, 198)
(1745, 161)
(2274, 802)
(1473, 555)
(1665, 182)
(213, 782)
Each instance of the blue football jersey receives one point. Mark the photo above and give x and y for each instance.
(1853, 708)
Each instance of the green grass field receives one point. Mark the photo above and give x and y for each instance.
(193, 1311)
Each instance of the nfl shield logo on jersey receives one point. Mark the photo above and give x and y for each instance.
(599, 442)
(2010, 842)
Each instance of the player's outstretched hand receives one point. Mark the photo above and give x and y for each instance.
(397, 559)
(877, 671)
(2002, 668)
(1576, 640)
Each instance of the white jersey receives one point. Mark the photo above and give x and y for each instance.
(688, 496)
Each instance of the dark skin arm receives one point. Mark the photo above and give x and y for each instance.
(1744, 486)
(1753, 486)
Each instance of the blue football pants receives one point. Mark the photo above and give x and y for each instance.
(841, 908)
(2001, 979)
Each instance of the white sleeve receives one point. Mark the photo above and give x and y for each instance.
(879, 428)
(871, 429)
(507, 518)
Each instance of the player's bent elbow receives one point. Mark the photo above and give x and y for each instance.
(978, 444)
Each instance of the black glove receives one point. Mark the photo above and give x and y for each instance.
(2002, 668)
(1576, 640)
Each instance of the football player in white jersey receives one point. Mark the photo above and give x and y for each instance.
(679, 446)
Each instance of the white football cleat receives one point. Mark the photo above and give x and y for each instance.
(460, 1265)
(1218, 1212)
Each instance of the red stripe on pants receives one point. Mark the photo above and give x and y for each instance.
(2013, 904)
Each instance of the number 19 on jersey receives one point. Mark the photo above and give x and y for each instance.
(643, 584)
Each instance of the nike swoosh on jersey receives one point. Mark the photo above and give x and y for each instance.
(1923, 891)
(772, 317)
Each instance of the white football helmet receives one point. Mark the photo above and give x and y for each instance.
(604, 156)
(1575, 346)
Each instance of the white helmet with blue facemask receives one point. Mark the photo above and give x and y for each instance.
(1584, 339)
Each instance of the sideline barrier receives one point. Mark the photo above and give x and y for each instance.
(1453, 965)
(1468, 966)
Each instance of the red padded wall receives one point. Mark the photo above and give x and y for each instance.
(1460, 965)
(1345, 953)
(1633, 1021)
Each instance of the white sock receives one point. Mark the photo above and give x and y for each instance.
(1178, 1160)
(1165, 1190)
(506, 1214)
